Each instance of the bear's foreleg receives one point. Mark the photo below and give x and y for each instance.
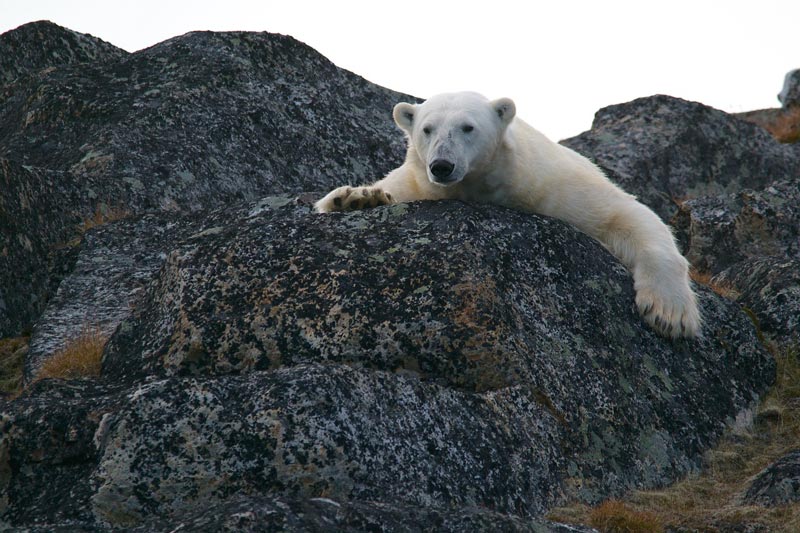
(664, 297)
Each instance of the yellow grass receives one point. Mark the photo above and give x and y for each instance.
(723, 288)
(786, 126)
(614, 516)
(81, 357)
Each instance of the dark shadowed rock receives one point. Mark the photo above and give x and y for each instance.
(770, 288)
(40, 45)
(719, 231)
(778, 484)
(665, 150)
(37, 219)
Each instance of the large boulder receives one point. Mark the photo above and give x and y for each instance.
(790, 93)
(769, 287)
(666, 150)
(203, 119)
(435, 355)
(777, 484)
(198, 121)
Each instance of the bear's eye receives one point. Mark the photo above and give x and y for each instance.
(426, 130)
(466, 128)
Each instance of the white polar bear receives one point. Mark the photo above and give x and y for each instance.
(463, 146)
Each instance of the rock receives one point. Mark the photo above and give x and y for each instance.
(790, 94)
(254, 514)
(666, 150)
(770, 288)
(392, 356)
(40, 45)
(198, 121)
(38, 220)
(115, 262)
(720, 231)
(778, 484)
(201, 120)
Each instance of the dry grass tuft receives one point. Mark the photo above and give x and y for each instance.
(723, 288)
(81, 357)
(12, 360)
(786, 126)
(614, 516)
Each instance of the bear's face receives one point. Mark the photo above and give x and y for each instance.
(455, 135)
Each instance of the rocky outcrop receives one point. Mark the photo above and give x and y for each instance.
(769, 287)
(720, 231)
(666, 150)
(42, 45)
(395, 355)
(38, 218)
(437, 364)
(194, 122)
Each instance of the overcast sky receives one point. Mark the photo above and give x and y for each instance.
(560, 61)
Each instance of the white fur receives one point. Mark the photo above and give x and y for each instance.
(504, 161)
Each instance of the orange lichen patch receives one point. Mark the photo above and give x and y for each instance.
(103, 215)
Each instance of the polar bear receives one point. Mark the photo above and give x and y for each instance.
(463, 146)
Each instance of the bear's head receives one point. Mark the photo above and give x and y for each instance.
(456, 134)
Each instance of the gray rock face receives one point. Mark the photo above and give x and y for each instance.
(114, 264)
(778, 484)
(770, 287)
(203, 119)
(396, 355)
(665, 150)
(723, 230)
(256, 514)
(790, 94)
(40, 45)
(197, 121)
(37, 221)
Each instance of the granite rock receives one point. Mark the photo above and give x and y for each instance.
(41, 45)
(777, 484)
(666, 150)
(720, 231)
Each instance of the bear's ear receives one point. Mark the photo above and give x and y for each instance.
(404, 116)
(505, 109)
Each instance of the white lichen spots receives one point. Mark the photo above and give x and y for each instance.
(216, 230)
(134, 183)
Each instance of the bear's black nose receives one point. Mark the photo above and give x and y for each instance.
(441, 168)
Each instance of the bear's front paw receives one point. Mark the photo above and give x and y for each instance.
(352, 198)
(671, 311)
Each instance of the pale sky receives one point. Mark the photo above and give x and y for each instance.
(559, 61)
